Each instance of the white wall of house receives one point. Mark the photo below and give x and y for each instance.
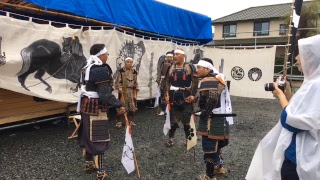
(245, 30)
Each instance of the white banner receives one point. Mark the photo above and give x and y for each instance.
(44, 61)
(247, 69)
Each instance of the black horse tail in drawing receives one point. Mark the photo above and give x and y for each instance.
(26, 60)
(35, 57)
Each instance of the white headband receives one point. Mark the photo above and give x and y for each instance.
(179, 51)
(205, 64)
(94, 60)
(169, 55)
(128, 58)
(103, 51)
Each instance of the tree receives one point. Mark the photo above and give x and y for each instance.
(308, 25)
(308, 19)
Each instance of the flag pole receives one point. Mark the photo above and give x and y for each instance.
(136, 163)
(295, 13)
(134, 152)
(288, 45)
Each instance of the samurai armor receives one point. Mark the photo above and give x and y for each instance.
(99, 128)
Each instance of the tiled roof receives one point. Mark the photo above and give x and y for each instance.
(259, 12)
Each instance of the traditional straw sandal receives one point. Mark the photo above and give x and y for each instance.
(89, 167)
(169, 143)
(102, 176)
(118, 125)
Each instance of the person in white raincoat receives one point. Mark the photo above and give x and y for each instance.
(291, 150)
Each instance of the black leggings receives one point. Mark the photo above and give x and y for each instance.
(289, 170)
(174, 128)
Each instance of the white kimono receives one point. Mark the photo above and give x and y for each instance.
(303, 112)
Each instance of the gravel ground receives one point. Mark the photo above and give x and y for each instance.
(44, 152)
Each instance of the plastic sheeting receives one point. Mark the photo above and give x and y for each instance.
(146, 15)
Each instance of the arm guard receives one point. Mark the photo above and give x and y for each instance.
(159, 73)
(105, 95)
(167, 79)
(136, 84)
(211, 102)
(194, 86)
(118, 81)
(194, 79)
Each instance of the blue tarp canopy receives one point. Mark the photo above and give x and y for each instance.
(145, 15)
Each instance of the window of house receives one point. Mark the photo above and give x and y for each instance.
(261, 28)
(282, 29)
(229, 30)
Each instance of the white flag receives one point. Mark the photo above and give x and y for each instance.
(167, 124)
(156, 103)
(226, 107)
(192, 139)
(127, 153)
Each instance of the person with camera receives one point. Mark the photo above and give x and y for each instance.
(291, 150)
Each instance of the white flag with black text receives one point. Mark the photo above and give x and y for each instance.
(167, 124)
(156, 103)
(128, 153)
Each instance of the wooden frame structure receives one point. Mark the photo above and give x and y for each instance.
(16, 107)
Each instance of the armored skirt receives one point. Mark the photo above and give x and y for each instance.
(180, 113)
(93, 134)
(215, 134)
(129, 99)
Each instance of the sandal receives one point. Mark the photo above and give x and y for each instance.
(169, 143)
(132, 123)
(118, 125)
(220, 170)
(101, 176)
(89, 167)
(205, 177)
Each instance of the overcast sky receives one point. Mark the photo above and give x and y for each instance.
(219, 8)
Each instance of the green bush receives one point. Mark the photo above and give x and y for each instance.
(280, 61)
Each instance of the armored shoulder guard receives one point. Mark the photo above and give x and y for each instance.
(100, 74)
(193, 69)
(121, 70)
(210, 89)
(135, 72)
(164, 68)
(109, 68)
(209, 83)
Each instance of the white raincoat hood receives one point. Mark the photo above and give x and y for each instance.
(303, 112)
(304, 107)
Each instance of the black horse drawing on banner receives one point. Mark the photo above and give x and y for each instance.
(44, 56)
(130, 49)
(198, 54)
(2, 57)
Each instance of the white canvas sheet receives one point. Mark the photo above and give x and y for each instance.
(56, 55)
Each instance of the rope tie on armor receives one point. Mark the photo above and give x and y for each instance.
(175, 78)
